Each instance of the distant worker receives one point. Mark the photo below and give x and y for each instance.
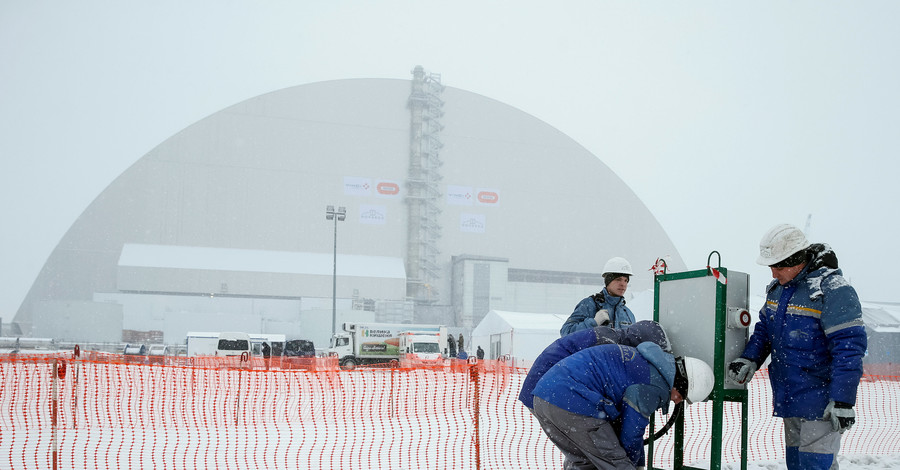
(607, 307)
(451, 346)
(564, 347)
(461, 344)
(479, 353)
(811, 325)
(266, 352)
(595, 405)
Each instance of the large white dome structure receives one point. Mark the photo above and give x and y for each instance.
(456, 204)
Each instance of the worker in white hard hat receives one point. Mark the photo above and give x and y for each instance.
(811, 326)
(607, 307)
(595, 404)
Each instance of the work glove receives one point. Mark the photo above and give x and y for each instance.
(601, 317)
(741, 370)
(841, 415)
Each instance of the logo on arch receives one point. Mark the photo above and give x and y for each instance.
(387, 188)
(487, 197)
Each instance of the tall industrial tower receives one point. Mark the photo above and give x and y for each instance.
(423, 187)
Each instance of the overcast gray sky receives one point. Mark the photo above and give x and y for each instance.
(725, 118)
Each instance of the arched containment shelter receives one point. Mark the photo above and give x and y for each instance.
(456, 204)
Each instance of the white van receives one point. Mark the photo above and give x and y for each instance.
(233, 344)
(276, 343)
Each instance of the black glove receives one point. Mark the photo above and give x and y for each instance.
(841, 415)
(741, 370)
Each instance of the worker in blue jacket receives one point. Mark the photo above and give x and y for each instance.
(811, 326)
(595, 405)
(607, 307)
(644, 330)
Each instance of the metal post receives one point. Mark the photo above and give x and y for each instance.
(331, 214)
(718, 394)
(334, 284)
(54, 416)
(475, 377)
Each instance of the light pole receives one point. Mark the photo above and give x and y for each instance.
(331, 214)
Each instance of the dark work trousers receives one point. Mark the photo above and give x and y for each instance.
(587, 443)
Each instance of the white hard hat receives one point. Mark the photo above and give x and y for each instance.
(700, 378)
(617, 265)
(779, 243)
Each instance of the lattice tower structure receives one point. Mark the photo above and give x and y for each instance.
(423, 187)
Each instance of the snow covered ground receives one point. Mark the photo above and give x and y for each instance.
(847, 462)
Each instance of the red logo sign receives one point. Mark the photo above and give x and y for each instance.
(488, 197)
(387, 188)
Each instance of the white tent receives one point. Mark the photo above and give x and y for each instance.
(521, 336)
(882, 317)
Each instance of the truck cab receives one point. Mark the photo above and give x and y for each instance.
(420, 345)
(341, 345)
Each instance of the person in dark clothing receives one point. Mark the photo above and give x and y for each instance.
(460, 345)
(451, 346)
(479, 353)
(595, 405)
(266, 352)
(644, 330)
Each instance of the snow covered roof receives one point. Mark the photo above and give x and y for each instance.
(882, 317)
(497, 321)
(267, 261)
(533, 321)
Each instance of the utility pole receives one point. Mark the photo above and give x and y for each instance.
(331, 214)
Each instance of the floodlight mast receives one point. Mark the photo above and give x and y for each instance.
(339, 215)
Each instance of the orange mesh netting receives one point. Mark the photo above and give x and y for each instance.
(106, 411)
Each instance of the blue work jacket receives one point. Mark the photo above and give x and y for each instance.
(644, 330)
(813, 330)
(582, 318)
(621, 384)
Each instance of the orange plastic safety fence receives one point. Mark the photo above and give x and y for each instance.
(877, 408)
(105, 411)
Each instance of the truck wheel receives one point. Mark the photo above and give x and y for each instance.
(349, 364)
